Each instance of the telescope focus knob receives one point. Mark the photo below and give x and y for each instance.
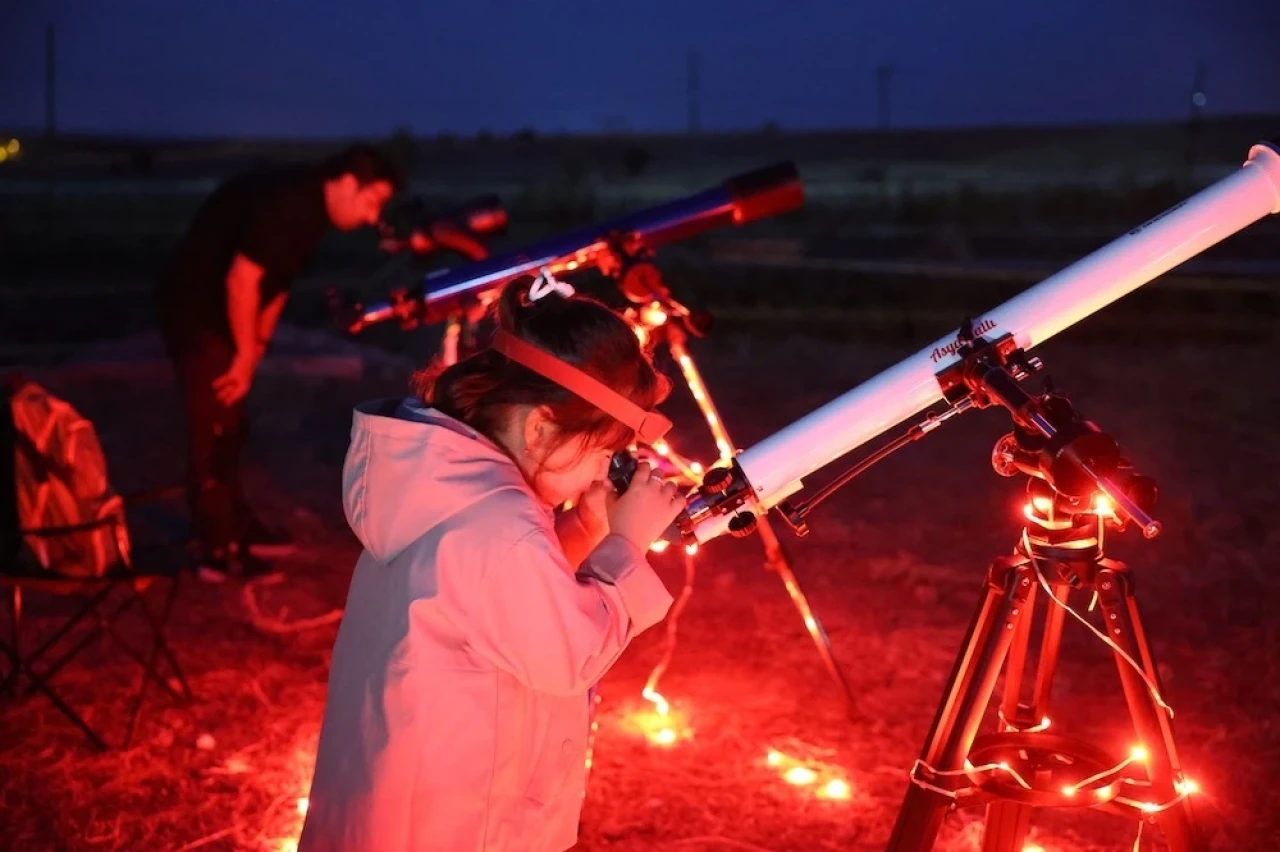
(641, 282)
(717, 480)
(742, 525)
(1004, 455)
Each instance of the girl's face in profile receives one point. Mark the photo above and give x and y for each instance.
(565, 468)
(557, 466)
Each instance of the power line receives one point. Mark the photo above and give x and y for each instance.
(50, 82)
(1195, 120)
(694, 83)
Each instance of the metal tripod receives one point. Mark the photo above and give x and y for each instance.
(657, 327)
(1024, 767)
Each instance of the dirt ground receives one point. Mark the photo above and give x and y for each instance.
(893, 568)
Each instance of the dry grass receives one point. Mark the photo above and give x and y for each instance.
(893, 568)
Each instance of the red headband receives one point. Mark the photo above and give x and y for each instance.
(649, 426)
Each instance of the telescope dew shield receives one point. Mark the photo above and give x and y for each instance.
(766, 192)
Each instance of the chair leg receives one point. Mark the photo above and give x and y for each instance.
(165, 650)
(147, 663)
(160, 648)
(14, 650)
(38, 682)
(25, 667)
(71, 623)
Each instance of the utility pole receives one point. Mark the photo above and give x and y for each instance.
(50, 83)
(695, 112)
(1195, 119)
(884, 79)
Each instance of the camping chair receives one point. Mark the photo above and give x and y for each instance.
(109, 597)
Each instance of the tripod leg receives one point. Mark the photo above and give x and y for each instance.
(1150, 721)
(1009, 582)
(776, 559)
(449, 343)
(693, 379)
(1008, 823)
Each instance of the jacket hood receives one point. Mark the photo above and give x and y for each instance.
(410, 468)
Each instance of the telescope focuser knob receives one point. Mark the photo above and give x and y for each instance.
(742, 524)
(406, 307)
(717, 480)
(1004, 456)
(641, 282)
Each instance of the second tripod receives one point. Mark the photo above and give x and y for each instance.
(1078, 483)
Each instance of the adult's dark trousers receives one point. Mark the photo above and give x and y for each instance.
(216, 438)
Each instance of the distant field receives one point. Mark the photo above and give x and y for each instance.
(84, 225)
(527, 155)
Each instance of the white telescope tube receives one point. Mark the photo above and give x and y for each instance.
(775, 466)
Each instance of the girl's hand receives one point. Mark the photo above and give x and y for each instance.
(647, 509)
(583, 527)
(594, 507)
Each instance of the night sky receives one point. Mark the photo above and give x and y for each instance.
(328, 68)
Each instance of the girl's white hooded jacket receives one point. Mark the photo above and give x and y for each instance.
(457, 710)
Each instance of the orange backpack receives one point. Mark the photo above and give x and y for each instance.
(61, 479)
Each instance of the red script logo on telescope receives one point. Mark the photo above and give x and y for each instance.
(940, 352)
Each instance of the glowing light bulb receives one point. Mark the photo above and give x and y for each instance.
(684, 361)
(696, 468)
(658, 701)
(14, 146)
(303, 802)
(662, 448)
(1042, 504)
(835, 789)
(691, 549)
(288, 846)
(1033, 848)
(659, 546)
(654, 316)
(1186, 787)
(800, 776)
(665, 737)
(1138, 753)
(774, 758)
(1103, 508)
(1150, 807)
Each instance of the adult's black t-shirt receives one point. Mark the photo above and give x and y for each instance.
(274, 218)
